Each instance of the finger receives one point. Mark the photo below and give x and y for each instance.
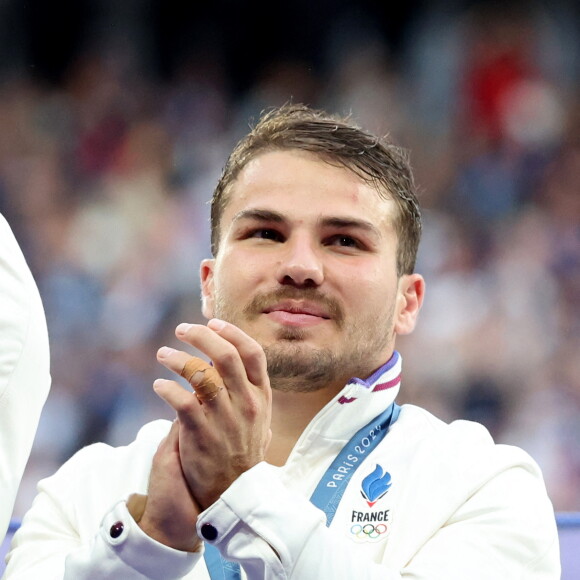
(224, 355)
(185, 404)
(174, 360)
(172, 437)
(171, 441)
(201, 375)
(204, 378)
(194, 370)
(251, 353)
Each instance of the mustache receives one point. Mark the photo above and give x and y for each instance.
(261, 302)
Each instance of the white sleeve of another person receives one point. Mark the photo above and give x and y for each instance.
(24, 367)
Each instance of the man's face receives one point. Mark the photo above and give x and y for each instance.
(307, 267)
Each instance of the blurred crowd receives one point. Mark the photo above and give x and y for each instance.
(106, 176)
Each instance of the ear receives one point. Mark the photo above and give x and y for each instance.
(206, 271)
(410, 294)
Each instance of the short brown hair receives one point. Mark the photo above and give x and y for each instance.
(337, 141)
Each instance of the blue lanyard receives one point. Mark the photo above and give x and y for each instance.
(329, 490)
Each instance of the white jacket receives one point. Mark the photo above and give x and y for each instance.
(24, 367)
(459, 507)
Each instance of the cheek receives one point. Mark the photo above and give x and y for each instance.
(374, 295)
(238, 275)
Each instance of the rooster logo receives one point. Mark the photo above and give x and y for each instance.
(375, 485)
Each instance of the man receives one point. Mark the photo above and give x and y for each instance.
(291, 458)
(24, 367)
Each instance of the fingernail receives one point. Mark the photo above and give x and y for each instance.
(158, 383)
(216, 324)
(183, 328)
(165, 351)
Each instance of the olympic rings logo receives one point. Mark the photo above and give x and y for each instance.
(368, 531)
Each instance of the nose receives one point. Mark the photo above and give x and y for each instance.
(300, 265)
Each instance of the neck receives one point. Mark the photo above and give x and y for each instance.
(291, 414)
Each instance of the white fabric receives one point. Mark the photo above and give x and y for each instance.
(459, 507)
(24, 367)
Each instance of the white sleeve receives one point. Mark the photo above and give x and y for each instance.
(78, 527)
(122, 550)
(53, 550)
(276, 534)
(24, 367)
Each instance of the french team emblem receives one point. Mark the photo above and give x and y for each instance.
(375, 485)
(372, 524)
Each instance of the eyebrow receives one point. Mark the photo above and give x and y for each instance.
(347, 223)
(261, 215)
(264, 215)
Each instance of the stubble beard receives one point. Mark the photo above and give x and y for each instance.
(293, 365)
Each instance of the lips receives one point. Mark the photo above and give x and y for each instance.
(299, 308)
(297, 314)
(290, 306)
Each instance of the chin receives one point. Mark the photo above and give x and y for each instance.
(291, 334)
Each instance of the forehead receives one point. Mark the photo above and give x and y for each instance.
(304, 184)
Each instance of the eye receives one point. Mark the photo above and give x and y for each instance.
(344, 241)
(266, 234)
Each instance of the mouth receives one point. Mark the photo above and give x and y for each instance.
(296, 313)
